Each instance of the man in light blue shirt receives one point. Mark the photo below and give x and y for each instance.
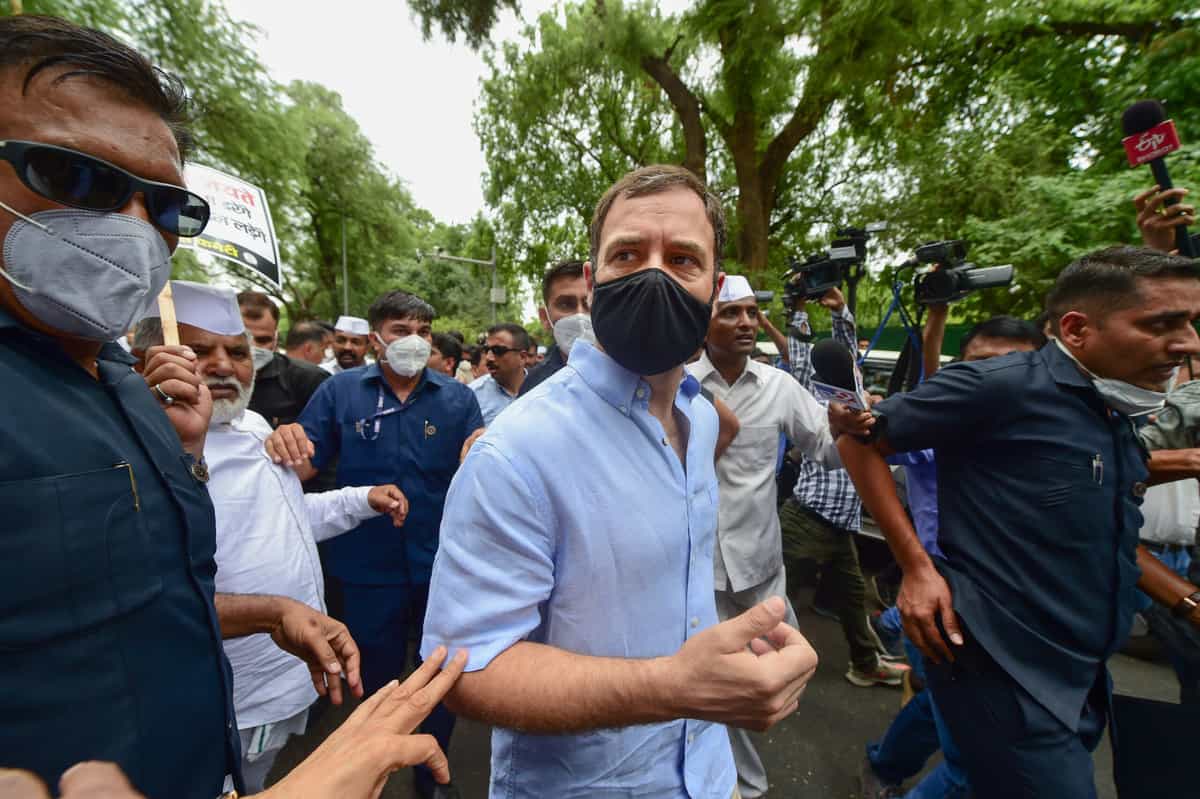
(504, 356)
(576, 551)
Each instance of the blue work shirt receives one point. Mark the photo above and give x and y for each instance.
(109, 637)
(414, 445)
(920, 479)
(574, 524)
(1039, 487)
(493, 397)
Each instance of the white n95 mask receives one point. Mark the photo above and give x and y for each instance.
(89, 274)
(407, 355)
(570, 329)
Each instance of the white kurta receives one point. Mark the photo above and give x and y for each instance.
(267, 534)
(766, 401)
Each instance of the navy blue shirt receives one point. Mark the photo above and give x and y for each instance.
(108, 634)
(547, 368)
(1039, 487)
(414, 445)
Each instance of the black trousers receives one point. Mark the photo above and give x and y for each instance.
(1012, 746)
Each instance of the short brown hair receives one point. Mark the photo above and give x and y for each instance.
(254, 304)
(652, 180)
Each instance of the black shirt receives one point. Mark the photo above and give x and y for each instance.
(108, 633)
(1039, 488)
(283, 387)
(553, 362)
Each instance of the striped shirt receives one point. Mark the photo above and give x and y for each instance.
(829, 493)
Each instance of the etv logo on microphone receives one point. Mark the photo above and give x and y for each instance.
(1142, 148)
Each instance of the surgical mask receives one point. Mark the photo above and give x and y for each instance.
(261, 357)
(407, 355)
(88, 274)
(647, 322)
(571, 328)
(1122, 397)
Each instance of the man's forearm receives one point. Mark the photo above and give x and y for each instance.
(873, 479)
(932, 337)
(542, 689)
(247, 614)
(1169, 465)
(1160, 583)
(780, 341)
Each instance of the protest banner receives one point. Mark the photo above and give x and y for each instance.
(240, 228)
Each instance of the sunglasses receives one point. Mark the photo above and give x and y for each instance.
(499, 350)
(79, 180)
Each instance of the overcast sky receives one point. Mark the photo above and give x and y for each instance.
(413, 99)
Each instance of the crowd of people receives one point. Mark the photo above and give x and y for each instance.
(589, 545)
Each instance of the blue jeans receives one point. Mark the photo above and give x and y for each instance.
(916, 733)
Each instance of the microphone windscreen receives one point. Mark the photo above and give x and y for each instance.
(833, 364)
(1141, 116)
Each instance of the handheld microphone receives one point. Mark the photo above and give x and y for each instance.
(1149, 136)
(834, 364)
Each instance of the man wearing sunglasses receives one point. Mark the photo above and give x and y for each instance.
(505, 358)
(109, 621)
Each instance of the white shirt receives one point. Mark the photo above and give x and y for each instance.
(332, 366)
(1171, 511)
(267, 534)
(766, 401)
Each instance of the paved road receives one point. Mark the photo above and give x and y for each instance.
(815, 753)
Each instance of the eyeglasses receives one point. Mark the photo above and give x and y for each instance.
(83, 181)
(499, 350)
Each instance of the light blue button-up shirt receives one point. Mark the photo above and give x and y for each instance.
(574, 524)
(493, 397)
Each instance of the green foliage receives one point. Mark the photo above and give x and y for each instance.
(316, 166)
(998, 122)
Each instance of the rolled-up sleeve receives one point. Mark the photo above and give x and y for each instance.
(945, 410)
(495, 563)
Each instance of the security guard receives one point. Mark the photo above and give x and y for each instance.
(1040, 476)
(109, 626)
(398, 421)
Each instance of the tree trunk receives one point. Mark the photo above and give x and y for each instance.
(755, 197)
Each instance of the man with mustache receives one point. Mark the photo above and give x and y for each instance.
(350, 344)
(267, 527)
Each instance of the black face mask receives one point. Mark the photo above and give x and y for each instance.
(647, 322)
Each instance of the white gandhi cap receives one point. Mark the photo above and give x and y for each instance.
(735, 288)
(211, 308)
(352, 325)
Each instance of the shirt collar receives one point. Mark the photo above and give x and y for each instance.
(1062, 368)
(614, 383)
(435, 380)
(704, 368)
(108, 352)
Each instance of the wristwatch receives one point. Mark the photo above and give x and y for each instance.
(1184, 608)
(198, 468)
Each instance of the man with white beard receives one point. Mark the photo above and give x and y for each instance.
(267, 527)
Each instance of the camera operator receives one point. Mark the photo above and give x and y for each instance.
(824, 514)
(1035, 588)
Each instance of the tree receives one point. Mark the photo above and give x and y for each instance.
(796, 111)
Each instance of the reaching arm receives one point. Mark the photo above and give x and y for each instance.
(1169, 465)
(728, 427)
(780, 341)
(1163, 585)
(924, 598)
(932, 338)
